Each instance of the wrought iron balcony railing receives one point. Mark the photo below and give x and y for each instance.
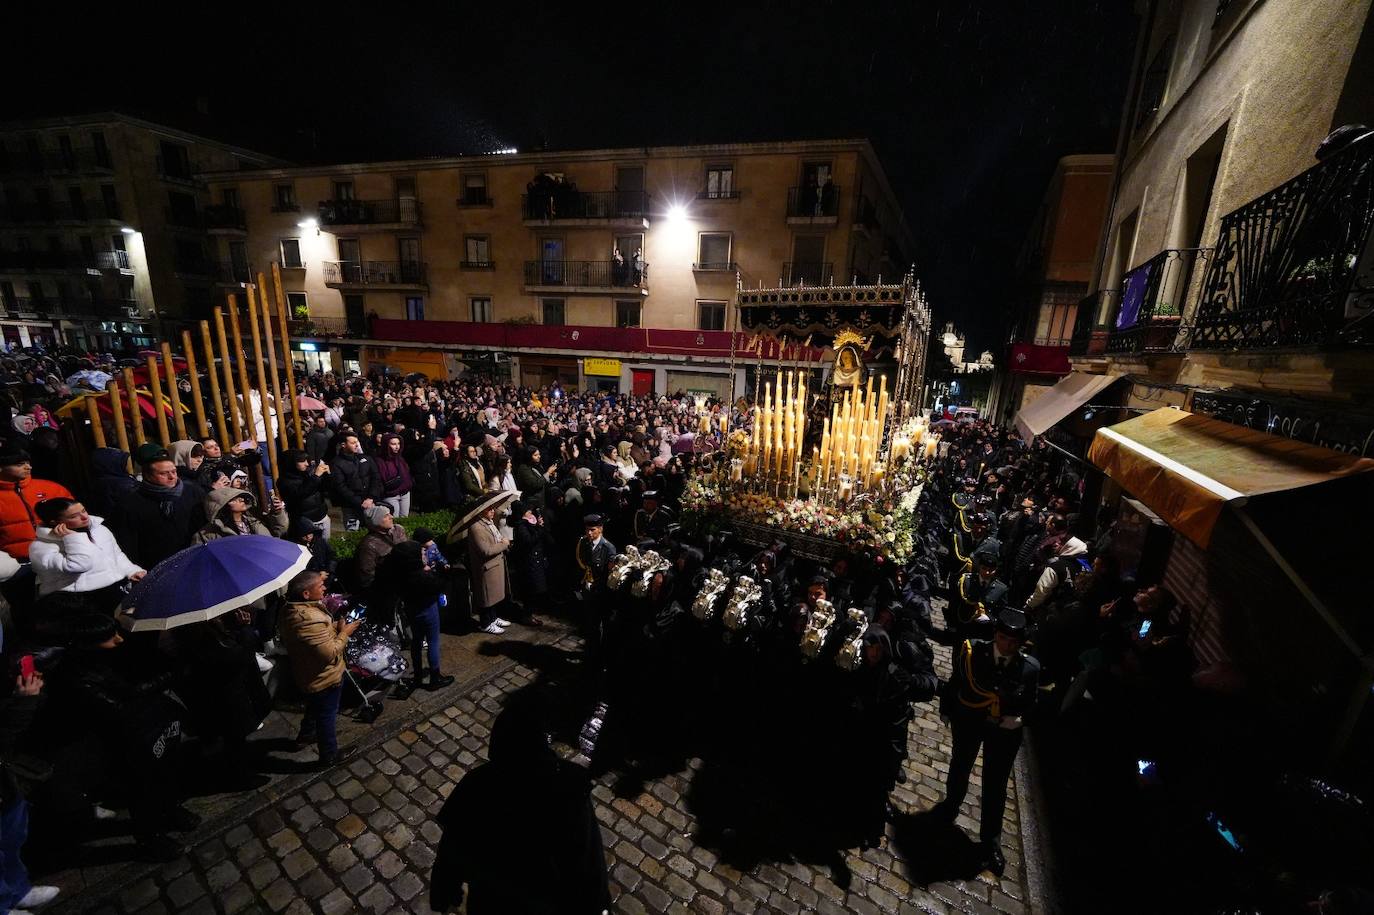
(112, 260)
(1152, 301)
(400, 211)
(807, 273)
(1294, 266)
(1086, 336)
(554, 202)
(325, 326)
(374, 273)
(590, 274)
(224, 217)
(716, 266)
(822, 202)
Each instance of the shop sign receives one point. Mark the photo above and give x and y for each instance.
(601, 367)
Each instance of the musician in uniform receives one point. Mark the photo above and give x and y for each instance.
(651, 522)
(991, 691)
(977, 595)
(594, 554)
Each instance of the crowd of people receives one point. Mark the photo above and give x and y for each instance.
(771, 667)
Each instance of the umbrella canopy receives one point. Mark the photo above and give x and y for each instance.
(474, 511)
(309, 403)
(145, 405)
(201, 582)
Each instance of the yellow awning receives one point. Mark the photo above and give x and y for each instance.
(1188, 467)
(1071, 392)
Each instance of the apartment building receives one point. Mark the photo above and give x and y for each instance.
(105, 228)
(614, 269)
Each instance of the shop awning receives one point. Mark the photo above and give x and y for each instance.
(1187, 467)
(1073, 391)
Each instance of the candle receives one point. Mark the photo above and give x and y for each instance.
(736, 470)
(825, 454)
(846, 488)
(930, 448)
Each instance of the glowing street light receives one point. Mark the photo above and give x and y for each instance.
(308, 224)
(128, 230)
(677, 213)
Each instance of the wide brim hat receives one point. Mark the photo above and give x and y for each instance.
(475, 510)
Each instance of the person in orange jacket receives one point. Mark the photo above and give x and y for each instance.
(19, 493)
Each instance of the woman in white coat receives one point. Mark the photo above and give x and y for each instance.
(76, 553)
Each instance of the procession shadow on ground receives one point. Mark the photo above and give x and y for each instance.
(932, 850)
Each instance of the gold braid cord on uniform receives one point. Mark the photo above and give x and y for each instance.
(588, 578)
(990, 700)
(968, 601)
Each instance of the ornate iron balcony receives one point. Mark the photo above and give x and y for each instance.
(587, 274)
(374, 273)
(401, 211)
(821, 202)
(1152, 300)
(564, 201)
(1294, 266)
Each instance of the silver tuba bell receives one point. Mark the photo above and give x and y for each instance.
(817, 629)
(650, 564)
(621, 567)
(704, 605)
(851, 653)
(746, 594)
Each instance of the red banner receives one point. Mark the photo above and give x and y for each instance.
(1033, 359)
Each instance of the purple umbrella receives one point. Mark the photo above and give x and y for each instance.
(201, 582)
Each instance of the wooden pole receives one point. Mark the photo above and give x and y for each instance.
(173, 391)
(272, 364)
(262, 387)
(135, 415)
(197, 403)
(93, 410)
(286, 355)
(117, 411)
(235, 422)
(250, 417)
(155, 391)
(220, 428)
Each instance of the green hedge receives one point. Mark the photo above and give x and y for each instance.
(439, 522)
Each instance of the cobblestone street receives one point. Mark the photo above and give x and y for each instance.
(361, 838)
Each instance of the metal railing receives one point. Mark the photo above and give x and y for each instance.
(1152, 300)
(807, 273)
(112, 260)
(374, 273)
(557, 202)
(477, 265)
(593, 274)
(400, 210)
(27, 305)
(1104, 301)
(722, 266)
(1295, 266)
(708, 194)
(324, 326)
(822, 202)
(233, 274)
(222, 216)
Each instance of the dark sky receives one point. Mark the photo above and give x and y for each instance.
(968, 103)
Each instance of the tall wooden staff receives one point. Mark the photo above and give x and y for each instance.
(197, 403)
(286, 355)
(272, 362)
(93, 410)
(117, 411)
(174, 392)
(155, 390)
(250, 416)
(135, 415)
(235, 413)
(220, 428)
(262, 387)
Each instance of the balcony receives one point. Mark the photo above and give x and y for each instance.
(563, 204)
(324, 326)
(375, 275)
(23, 306)
(715, 267)
(807, 273)
(475, 197)
(1152, 300)
(866, 217)
(224, 220)
(180, 170)
(229, 273)
(708, 195)
(112, 260)
(813, 206)
(370, 215)
(477, 265)
(584, 277)
(182, 218)
(1295, 266)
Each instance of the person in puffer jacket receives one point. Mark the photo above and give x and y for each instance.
(230, 511)
(75, 552)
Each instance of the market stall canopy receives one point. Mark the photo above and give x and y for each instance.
(1073, 391)
(1188, 467)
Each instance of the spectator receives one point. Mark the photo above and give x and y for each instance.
(487, 566)
(17, 711)
(321, 553)
(534, 551)
(304, 489)
(395, 475)
(419, 589)
(381, 538)
(19, 493)
(230, 513)
(111, 480)
(315, 644)
(317, 440)
(357, 485)
(188, 456)
(158, 517)
(75, 552)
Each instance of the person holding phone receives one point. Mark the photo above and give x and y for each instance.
(315, 644)
(75, 552)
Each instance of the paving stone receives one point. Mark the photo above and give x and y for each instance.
(351, 826)
(377, 899)
(263, 873)
(298, 863)
(278, 895)
(628, 878)
(184, 890)
(389, 864)
(399, 836)
(333, 809)
(140, 894)
(357, 878)
(237, 898)
(283, 842)
(223, 874)
(407, 886)
(341, 858)
(656, 899)
(336, 902)
(420, 855)
(249, 852)
(368, 845)
(317, 883)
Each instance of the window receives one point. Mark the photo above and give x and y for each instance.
(291, 253)
(477, 251)
(77, 201)
(355, 314)
(415, 308)
(36, 292)
(240, 272)
(284, 196)
(87, 249)
(175, 161)
(554, 312)
(181, 209)
(474, 190)
(710, 315)
(64, 148)
(229, 197)
(627, 313)
(720, 182)
(42, 202)
(1154, 83)
(110, 200)
(102, 152)
(343, 190)
(298, 305)
(481, 309)
(713, 251)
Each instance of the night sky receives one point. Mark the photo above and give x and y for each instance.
(969, 104)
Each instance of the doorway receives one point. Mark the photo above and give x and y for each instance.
(642, 381)
(551, 260)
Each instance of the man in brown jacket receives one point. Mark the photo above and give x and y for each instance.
(315, 644)
(487, 566)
